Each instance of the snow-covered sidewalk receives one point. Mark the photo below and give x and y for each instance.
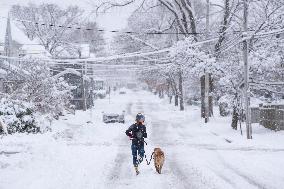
(83, 152)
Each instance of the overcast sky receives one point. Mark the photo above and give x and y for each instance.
(114, 19)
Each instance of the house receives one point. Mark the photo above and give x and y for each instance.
(72, 73)
(74, 51)
(99, 87)
(83, 92)
(3, 75)
(2, 52)
(12, 47)
(11, 38)
(33, 51)
(77, 73)
(99, 84)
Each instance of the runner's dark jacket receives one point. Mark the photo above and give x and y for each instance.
(138, 133)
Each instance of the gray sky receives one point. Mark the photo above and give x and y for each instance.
(114, 19)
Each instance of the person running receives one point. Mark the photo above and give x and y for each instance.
(137, 133)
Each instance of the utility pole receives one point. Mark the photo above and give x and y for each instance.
(109, 94)
(84, 73)
(85, 87)
(206, 101)
(8, 44)
(83, 91)
(246, 71)
(206, 90)
(207, 17)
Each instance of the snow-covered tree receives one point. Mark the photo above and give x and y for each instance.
(48, 23)
(37, 95)
(48, 94)
(89, 34)
(189, 61)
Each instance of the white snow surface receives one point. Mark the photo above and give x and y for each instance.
(83, 152)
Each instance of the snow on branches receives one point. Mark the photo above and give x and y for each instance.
(49, 95)
(189, 59)
(37, 95)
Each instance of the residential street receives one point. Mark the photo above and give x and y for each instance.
(77, 154)
(92, 90)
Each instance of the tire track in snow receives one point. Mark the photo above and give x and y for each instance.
(185, 176)
(191, 176)
(247, 178)
(179, 178)
(128, 108)
(118, 175)
(117, 168)
(232, 176)
(225, 178)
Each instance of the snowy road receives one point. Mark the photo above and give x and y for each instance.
(97, 156)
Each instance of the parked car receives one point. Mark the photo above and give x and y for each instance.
(113, 117)
(100, 93)
(122, 90)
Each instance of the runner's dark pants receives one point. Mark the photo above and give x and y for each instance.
(137, 149)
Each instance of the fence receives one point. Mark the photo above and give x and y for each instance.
(270, 116)
(255, 111)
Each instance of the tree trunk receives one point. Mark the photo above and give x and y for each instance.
(176, 100)
(224, 27)
(211, 88)
(180, 92)
(160, 93)
(235, 118)
(202, 84)
(3, 127)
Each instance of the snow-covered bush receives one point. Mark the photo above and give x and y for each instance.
(18, 116)
(48, 94)
(37, 99)
(225, 104)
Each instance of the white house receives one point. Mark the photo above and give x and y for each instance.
(2, 52)
(74, 51)
(9, 34)
(33, 51)
(3, 74)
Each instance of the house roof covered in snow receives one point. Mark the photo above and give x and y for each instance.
(17, 34)
(73, 51)
(3, 73)
(35, 51)
(71, 71)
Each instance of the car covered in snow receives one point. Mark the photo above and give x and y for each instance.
(100, 93)
(113, 117)
(122, 91)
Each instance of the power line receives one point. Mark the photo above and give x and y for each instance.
(141, 54)
(119, 31)
(113, 57)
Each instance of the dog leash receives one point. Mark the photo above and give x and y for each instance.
(148, 162)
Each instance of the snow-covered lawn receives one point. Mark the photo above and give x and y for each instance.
(83, 152)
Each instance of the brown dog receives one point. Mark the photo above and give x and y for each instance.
(159, 159)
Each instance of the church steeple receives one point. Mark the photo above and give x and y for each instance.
(8, 46)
